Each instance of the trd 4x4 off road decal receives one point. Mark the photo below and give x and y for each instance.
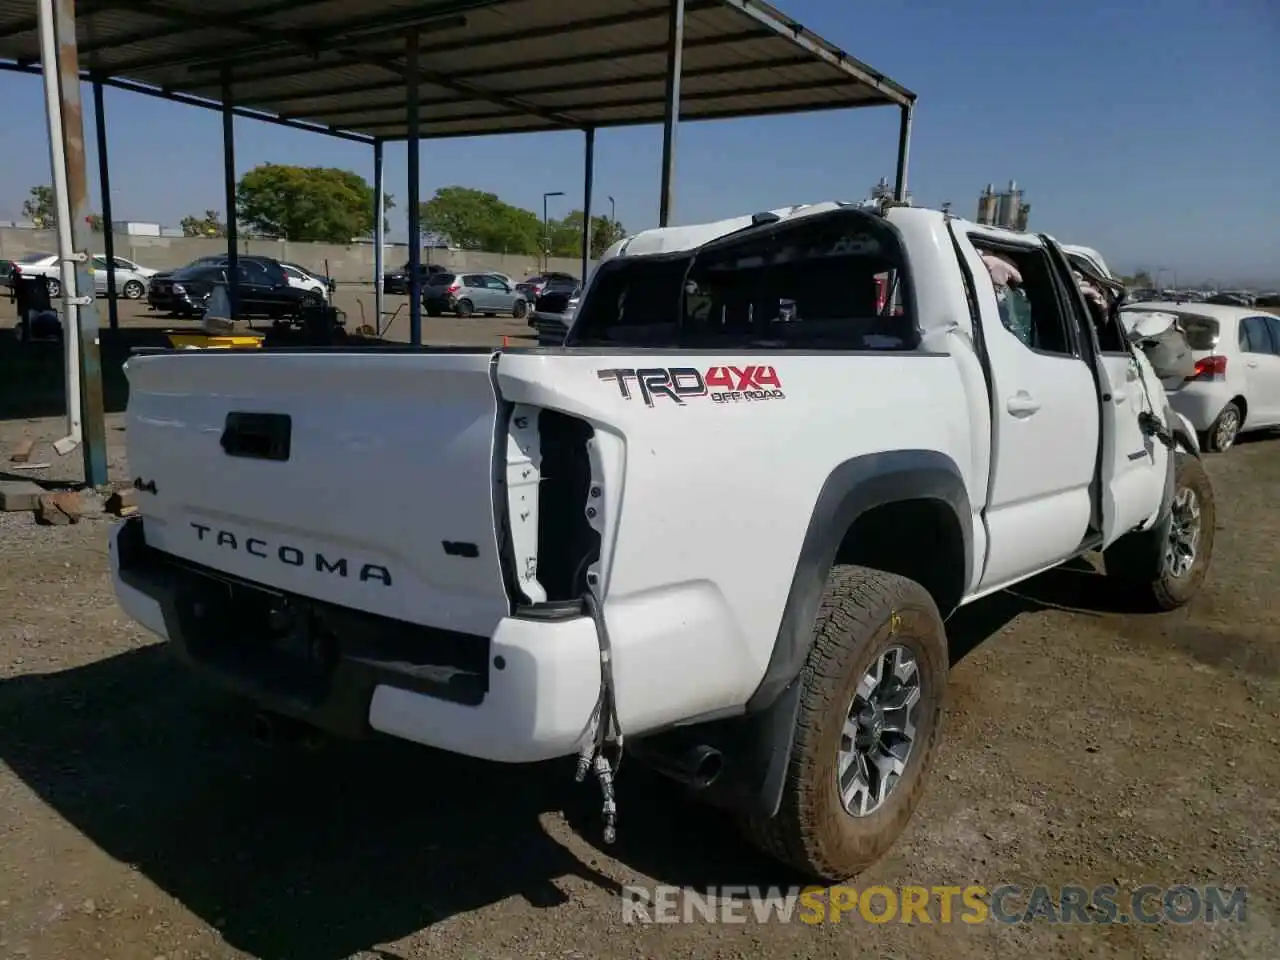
(723, 384)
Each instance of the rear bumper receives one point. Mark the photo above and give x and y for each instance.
(524, 694)
(1200, 403)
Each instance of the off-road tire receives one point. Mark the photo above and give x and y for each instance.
(862, 613)
(1213, 439)
(464, 308)
(1139, 563)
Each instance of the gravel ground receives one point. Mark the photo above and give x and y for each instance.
(1085, 745)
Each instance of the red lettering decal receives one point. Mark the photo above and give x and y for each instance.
(767, 377)
(719, 377)
(746, 378)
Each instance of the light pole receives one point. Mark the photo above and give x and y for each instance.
(613, 211)
(546, 229)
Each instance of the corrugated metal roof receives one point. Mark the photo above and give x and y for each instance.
(485, 67)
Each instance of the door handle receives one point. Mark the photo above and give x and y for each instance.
(1022, 404)
(1251, 363)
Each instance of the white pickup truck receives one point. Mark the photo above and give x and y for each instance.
(726, 520)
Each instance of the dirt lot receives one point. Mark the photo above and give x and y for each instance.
(1085, 745)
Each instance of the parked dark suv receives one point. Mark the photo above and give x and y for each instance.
(397, 281)
(262, 288)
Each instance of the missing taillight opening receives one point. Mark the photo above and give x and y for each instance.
(567, 543)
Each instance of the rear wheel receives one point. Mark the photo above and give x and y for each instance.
(870, 713)
(464, 308)
(1165, 566)
(518, 310)
(55, 287)
(133, 290)
(1221, 437)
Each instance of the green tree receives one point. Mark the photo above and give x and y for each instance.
(475, 220)
(95, 222)
(208, 225)
(40, 209)
(321, 204)
(566, 235)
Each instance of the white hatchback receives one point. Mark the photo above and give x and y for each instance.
(1236, 386)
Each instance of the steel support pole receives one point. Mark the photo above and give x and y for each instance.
(412, 43)
(229, 193)
(379, 235)
(904, 150)
(588, 177)
(92, 414)
(104, 185)
(62, 225)
(671, 111)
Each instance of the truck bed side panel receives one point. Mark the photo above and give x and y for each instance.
(699, 559)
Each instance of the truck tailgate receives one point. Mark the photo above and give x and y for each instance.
(364, 479)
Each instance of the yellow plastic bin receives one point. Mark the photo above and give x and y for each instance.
(207, 341)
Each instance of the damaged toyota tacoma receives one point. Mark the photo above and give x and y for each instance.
(725, 522)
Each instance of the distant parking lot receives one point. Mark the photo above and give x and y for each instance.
(357, 301)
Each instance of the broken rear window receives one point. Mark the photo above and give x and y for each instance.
(829, 281)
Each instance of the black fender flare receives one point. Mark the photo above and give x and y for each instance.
(756, 745)
(852, 489)
(1182, 432)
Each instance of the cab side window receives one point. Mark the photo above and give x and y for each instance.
(1032, 307)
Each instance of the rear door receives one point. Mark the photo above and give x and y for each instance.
(100, 275)
(252, 295)
(1133, 464)
(1041, 500)
(474, 289)
(1260, 348)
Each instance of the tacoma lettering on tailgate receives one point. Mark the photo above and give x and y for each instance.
(723, 384)
(291, 556)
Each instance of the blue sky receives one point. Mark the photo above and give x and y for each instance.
(1149, 130)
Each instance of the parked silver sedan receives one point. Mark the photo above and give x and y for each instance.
(130, 278)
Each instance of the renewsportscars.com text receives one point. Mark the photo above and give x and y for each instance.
(972, 904)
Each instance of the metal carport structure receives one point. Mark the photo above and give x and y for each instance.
(427, 69)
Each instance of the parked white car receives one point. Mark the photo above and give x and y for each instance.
(130, 278)
(1236, 385)
(301, 278)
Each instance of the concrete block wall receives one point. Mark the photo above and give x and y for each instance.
(347, 264)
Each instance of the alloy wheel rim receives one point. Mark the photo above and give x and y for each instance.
(1228, 426)
(879, 733)
(1184, 533)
